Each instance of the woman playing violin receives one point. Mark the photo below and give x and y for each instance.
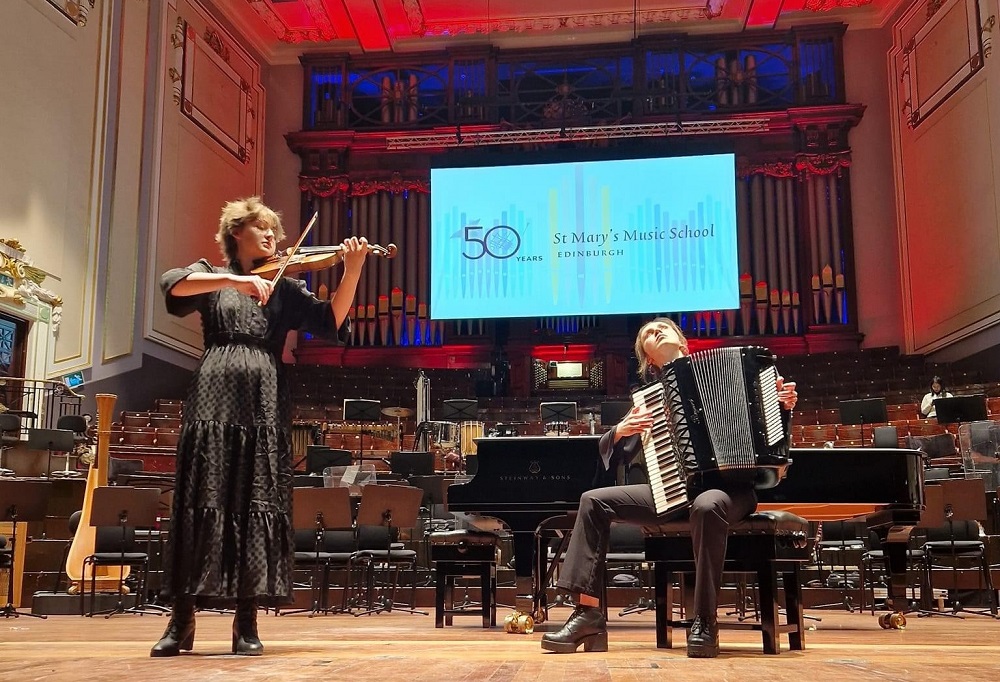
(231, 540)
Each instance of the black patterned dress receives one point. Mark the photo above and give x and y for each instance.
(230, 531)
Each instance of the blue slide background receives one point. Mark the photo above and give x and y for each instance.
(571, 236)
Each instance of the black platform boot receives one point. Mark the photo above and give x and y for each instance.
(703, 638)
(586, 625)
(179, 635)
(245, 639)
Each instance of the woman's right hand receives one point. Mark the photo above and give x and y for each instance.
(636, 421)
(254, 286)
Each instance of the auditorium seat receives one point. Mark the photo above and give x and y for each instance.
(139, 435)
(828, 416)
(167, 437)
(135, 418)
(925, 427)
(902, 411)
(169, 406)
(165, 421)
(819, 433)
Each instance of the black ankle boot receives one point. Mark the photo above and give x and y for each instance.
(245, 639)
(703, 638)
(179, 635)
(586, 625)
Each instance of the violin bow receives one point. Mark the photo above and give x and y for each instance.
(288, 259)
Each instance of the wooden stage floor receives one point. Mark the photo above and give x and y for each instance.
(403, 647)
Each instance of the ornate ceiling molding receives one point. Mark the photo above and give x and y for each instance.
(321, 30)
(830, 5)
(421, 27)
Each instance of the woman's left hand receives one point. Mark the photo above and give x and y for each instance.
(787, 395)
(355, 251)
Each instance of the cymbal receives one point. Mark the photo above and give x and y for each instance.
(397, 412)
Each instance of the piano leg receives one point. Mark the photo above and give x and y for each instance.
(896, 544)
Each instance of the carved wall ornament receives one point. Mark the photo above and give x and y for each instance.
(214, 40)
(798, 167)
(74, 10)
(396, 184)
(324, 185)
(20, 281)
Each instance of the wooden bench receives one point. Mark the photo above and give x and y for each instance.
(464, 554)
(766, 544)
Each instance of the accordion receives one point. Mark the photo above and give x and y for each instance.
(713, 411)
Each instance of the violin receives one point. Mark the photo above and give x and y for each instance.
(311, 259)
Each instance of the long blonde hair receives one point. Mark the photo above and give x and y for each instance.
(647, 370)
(235, 215)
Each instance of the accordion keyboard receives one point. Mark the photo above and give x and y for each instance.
(667, 479)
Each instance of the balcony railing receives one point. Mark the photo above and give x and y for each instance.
(39, 403)
(643, 80)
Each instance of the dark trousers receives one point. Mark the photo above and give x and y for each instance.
(711, 513)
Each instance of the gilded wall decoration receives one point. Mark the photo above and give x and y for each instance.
(20, 281)
(75, 11)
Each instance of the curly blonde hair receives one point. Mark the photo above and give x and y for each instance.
(648, 371)
(236, 214)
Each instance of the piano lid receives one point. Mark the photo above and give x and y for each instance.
(526, 471)
(869, 476)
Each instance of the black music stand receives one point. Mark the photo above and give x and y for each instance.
(322, 508)
(53, 440)
(560, 414)
(863, 411)
(961, 408)
(613, 411)
(360, 410)
(20, 501)
(409, 464)
(319, 457)
(124, 506)
(390, 507)
(459, 410)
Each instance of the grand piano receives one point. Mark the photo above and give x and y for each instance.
(523, 481)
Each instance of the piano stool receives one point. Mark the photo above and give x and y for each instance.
(766, 544)
(464, 554)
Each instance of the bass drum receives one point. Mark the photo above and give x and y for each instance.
(469, 431)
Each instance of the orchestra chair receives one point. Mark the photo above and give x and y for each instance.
(464, 554)
(770, 545)
(383, 512)
(10, 436)
(958, 543)
(555, 530)
(885, 437)
(838, 541)
(627, 551)
(116, 513)
(76, 423)
(72, 523)
(322, 519)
